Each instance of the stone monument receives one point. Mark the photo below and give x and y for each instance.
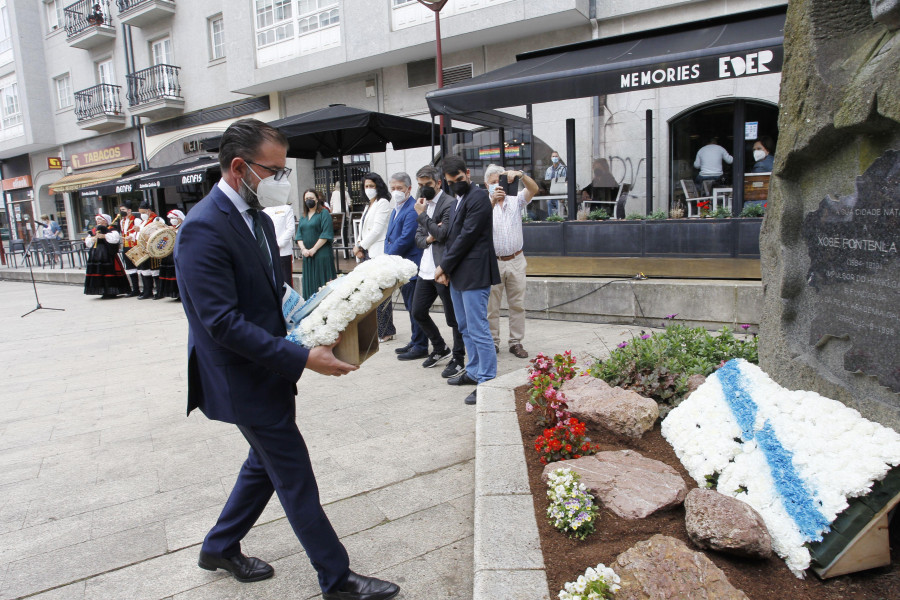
(830, 241)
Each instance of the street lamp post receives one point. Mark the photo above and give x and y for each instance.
(436, 6)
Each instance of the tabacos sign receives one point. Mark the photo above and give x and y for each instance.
(709, 68)
(111, 154)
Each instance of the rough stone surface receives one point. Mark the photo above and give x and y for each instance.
(839, 115)
(663, 568)
(693, 382)
(627, 483)
(726, 524)
(621, 411)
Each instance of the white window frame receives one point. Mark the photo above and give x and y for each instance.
(275, 22)
(65, 99)
(169, 58)
(112, 70)
(330, 10)
(216, 49)
(9, 103)
(56, 16)
(5, 31)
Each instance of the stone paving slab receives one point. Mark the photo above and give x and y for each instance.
(106, 489)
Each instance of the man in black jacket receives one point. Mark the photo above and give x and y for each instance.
(434, 208)
(469, 267)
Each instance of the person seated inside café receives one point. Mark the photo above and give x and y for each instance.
(764, 155)
(710, 160)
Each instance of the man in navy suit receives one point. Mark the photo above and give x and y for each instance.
(242, 370)
(469, 267)
(401, 240)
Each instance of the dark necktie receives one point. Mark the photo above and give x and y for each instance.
(261, 237)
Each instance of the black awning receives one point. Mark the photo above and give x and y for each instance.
(738, 45)
(177, 175)
(122, 185)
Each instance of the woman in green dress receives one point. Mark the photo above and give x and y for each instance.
(314, 235)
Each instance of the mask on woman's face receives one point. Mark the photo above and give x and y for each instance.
(554, 159)
(371, 193)
(460, 188)
(758, 155)
(310, 203)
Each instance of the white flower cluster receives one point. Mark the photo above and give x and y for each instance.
(598, 583)
(572, 509)
(351, 295)
(836, 453)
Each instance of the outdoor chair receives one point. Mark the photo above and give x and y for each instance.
(339, 243)
(17, 247)
(65, 248)
(692, 198)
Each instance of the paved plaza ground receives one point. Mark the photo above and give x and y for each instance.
(107, 489)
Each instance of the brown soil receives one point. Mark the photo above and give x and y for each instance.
(566, 558)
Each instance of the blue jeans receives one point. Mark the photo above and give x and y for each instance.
(552, 207)
(470, 307)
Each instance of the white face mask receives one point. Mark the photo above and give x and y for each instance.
(397, 196)
(371, 193)
(758, 155)
(270, 193)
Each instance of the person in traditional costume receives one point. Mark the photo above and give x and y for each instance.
(128, 227)
(168, 286)
(105, 275)
(149, 269)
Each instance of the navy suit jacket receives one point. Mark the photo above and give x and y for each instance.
(241, 369)
(401, 233)
(469, 259)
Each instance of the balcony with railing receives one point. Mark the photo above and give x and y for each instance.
(99, 108)
(155, 92)
(142, 13)
(89, 24)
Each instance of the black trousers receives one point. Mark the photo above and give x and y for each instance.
(427, 290)
(287, 267)
(279, 462)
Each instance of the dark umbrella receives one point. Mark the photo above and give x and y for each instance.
(340, 129)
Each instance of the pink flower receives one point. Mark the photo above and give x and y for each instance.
(622, 345)
(745, 326)
(646, 336)
(529, 408)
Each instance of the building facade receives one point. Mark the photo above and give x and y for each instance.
(96, 90)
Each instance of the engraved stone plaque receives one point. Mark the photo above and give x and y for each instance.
(854, 273)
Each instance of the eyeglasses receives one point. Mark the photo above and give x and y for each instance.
(279, 173)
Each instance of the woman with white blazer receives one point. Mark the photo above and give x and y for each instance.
(372, 230)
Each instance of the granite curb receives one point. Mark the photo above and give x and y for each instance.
(508, 561)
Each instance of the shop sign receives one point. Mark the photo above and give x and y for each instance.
(54, 162)
(119, 152)
(86, 193)
(17, 183)
(709, 68)
(124, 188)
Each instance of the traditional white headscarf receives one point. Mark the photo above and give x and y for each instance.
(105, 216)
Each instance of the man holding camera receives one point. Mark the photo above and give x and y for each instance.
(508, 244)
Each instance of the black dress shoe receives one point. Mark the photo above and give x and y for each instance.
(403, 349)
(360, 587)
(462, 379)
(413, 354)
(244, 568)
(471, 398)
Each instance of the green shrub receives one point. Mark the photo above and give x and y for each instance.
(753, 210)
(598, 215)
(526, 219)
(635, 217)
(720, 213)
(555, 218)
(658, 215)
(658, 365)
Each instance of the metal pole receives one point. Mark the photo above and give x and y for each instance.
(502, 147)
(649, 168)
(440, 58)
(737, 165)
(570, 168)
